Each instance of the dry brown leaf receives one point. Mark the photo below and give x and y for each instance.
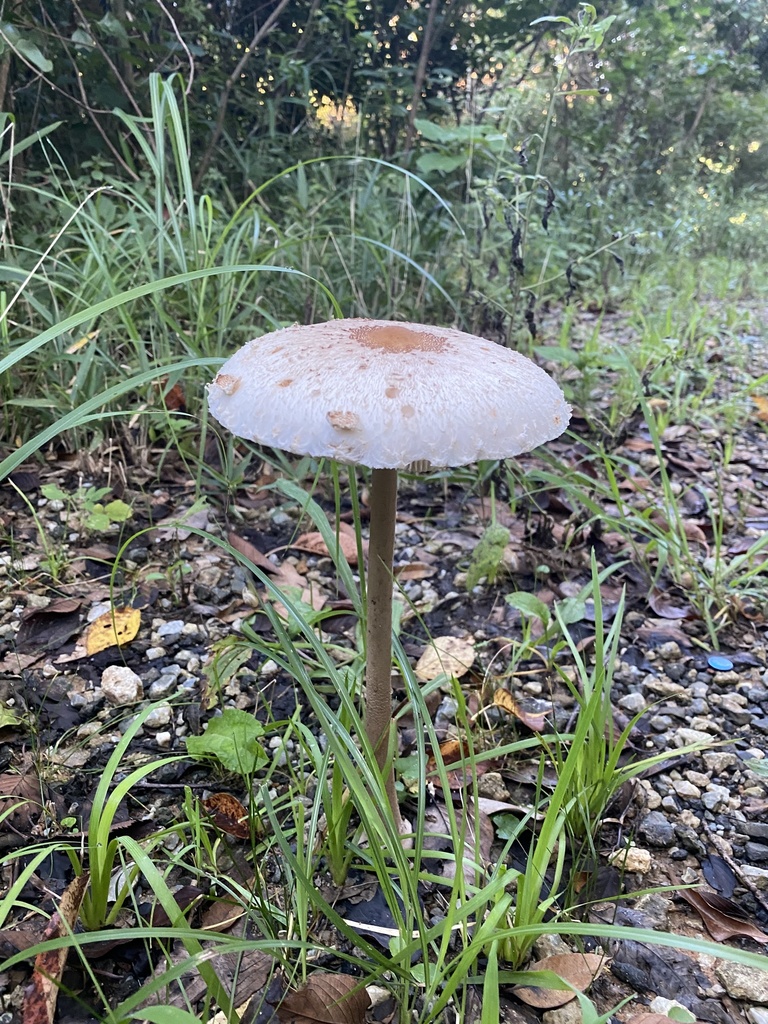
(20, 788)
(476, 820)
(114, 628)
(220, 915)
(228, 814)
(448, 654)
(532, 713)
(414, 571)
(42, 992)
(675, 431)
(666, 606)
(315, 545)
(450, 752)
(762, 407)
(22, 936)
(580, 969)
(284, 574)
(326, 999)
(720, 916)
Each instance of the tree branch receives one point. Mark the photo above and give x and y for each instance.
(221, 114)
(421, 74)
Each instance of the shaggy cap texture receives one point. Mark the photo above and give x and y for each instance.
(387, 395)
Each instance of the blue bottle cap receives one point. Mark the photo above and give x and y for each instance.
(719, 663)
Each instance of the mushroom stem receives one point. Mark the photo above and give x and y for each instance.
(378, 640)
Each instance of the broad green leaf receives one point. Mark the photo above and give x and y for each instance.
(98, 520)
(529, 605)
(440, 162)
(571, 609)
(165, 1015)
(34, 55)
(81, 38)
(118, 511)
(53, 493)
(113, 27)
(231, 738)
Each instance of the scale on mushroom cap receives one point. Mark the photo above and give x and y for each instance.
(388, 396)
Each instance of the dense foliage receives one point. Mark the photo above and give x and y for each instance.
(294, 160)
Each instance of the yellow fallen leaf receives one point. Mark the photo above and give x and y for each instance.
(112, 629)
(449, 654)
(762, 407)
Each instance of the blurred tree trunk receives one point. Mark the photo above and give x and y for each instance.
(421, 73)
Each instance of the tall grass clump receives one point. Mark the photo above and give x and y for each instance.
(141, 283)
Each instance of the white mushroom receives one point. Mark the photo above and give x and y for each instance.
(386, 395)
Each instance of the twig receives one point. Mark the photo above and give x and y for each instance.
(258, 35)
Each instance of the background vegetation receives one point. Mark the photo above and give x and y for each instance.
(459, 162)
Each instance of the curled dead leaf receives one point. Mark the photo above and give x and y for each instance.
(723, 918)
(315, 545)
(532, 713)
(326, 999)
(450, 752)
(667, 606)
(22, 791)
(414, 571)
(579, 969)
(228, 814)
(42, 992)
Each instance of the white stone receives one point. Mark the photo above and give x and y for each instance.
(163, 739)
(170, 630)
(684, 737)
(758, 876)
(742, 982)
(158, 717)
(568, 1014)
(686, 789)
(632, 703)
(718, 760)
(662, 1006)
(633, 859)
(121, 685)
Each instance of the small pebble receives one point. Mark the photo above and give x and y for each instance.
(633, 703)
(162, 687)
(718, 761)
(163, 739)
(716, 797)
(121, 685)
(170, 630)
(742, 982)
(153, 653)
(656, 830)
(158, 717)
(633, 859)
(684, 737)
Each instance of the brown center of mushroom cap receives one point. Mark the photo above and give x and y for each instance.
(395, 338)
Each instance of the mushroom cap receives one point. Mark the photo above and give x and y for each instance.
(387, 395)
